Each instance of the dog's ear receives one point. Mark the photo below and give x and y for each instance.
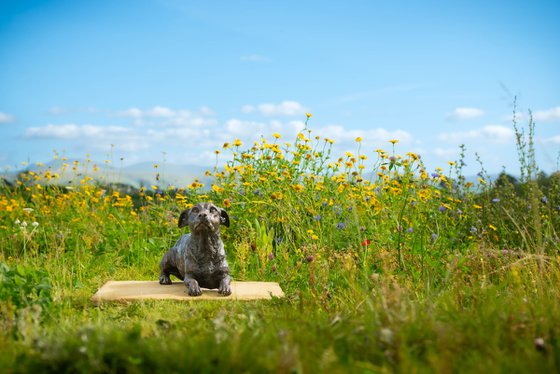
(184, 218)
(224, 220)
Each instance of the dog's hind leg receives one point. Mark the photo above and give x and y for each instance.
(168, 268)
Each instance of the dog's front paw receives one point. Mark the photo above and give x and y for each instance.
(193, 288)
(225, 288)
(164, 279)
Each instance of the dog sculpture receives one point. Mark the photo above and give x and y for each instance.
(199, 258)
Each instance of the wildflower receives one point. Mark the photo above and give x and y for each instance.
(410, 230)
(309, 258)
(276, 135)
(340, 226)
(308, 115)
(473, 230)
(366, 242)
(271, 256)
(276, 196)
(227, 203)
(358, 139)
(433, 238)
(544, 200)
(317, 218)
(435, 175)
(442, 209)
(17, 222)
(35, 224)
(237, 143)
(393, 141)
(297, 187)
(495, 200)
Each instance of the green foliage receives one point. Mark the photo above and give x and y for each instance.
(24, 286)
(387, 266)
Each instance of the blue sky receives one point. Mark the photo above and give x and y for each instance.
(155, 80)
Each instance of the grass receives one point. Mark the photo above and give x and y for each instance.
(386, 268)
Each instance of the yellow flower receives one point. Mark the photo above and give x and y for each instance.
(276, 135)
(358, 139)
(297, 187)
(393, 141)
(237, 143)
(308, 115)
(227, 203)
(276, 196)
(216, 188)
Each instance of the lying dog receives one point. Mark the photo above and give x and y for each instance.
(199, 258)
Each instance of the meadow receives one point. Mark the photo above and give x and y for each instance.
(390, 268)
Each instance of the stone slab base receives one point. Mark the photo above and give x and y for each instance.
(137, 290)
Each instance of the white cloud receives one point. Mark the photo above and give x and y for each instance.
(552, 140)
(159, 111)
(549, 115)
(254, 58)
(285, 108)
(73, 131)
(465, 113)
(163, 117)
(492, 133)
(6, 118)
(251, 130)
(446, 154)
(247, 109)
(206, 111)
(56, 110)
(132, 112)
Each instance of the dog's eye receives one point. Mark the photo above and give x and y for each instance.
(213, 210)
(194, 210)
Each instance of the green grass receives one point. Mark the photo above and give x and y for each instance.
(390, 268)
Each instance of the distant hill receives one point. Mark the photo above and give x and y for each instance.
(136, 176)
(139, 175)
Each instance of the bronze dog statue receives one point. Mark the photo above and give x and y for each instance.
(199, 258)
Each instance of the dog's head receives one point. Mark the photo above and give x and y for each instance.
(204, 217)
